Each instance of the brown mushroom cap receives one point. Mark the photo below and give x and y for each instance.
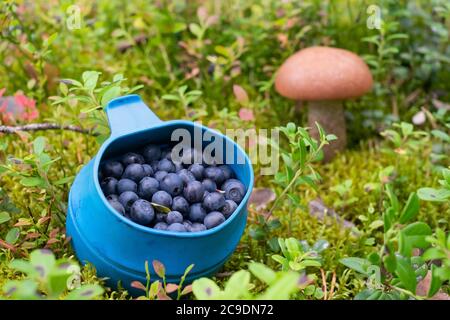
(323, 73)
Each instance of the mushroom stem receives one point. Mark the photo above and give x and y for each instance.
(330, 115)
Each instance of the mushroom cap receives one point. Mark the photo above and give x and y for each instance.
(323, 73)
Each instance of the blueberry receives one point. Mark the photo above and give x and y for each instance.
(229, 208)
(112, 197)
(197, 170)
(227, 172)
(154, 165)
(178, 166)
(186, 176)
(159, 175)
(109, 186)
(187, 224)
(160, 226)
(180, 204)
(197, 227)
(166, 165)
(134, 171)
(215, 174)
(213, 219)
(151, 153)
(147, 187)
(172, 184)
(142, 212)
(132, 157)
(214, 201)
(193, 192)
(177, 227)
(162, 198)
(127, 199)
(235, 191)
(117, 206)
(160, 217)
(197, 213)
(224, 185)
(126, 185)
(148, 170)
(205, 194)
(113, 169)
(174, 217)
(209, 185)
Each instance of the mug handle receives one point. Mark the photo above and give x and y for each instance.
(128, 114)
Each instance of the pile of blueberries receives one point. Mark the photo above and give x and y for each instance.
(151, 189)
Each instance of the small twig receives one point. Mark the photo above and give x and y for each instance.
(333, 283)
(324, 284)
(45, 126)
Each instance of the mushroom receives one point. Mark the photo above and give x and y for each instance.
(324, 77)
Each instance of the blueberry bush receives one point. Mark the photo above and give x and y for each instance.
(373, 223)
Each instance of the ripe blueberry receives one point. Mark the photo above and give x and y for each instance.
(209, 185)
(142, 212)
(111, 197)
(213, 219)
(147, 169)
(151, 153)
(117, 206)
(180, 204)
(159, 175)
(174, 217)
(227, 172)
(126, 185)
(160, 226)
(186, 176)
(162, 198)
(113, 169)
(178, 166)
(193, 192)
(132, 157)
(172, 184)
(134, 171)
(214, 201)
(109, 185)
(127, 199)
(235, 191)
(215, 174)
(197, 227)
(197, 213)
(191, 156)
(229, 208)
(187, 224)
(197, 171)
(166, 165)
(147, 187)
(160, 217)
(177, 227)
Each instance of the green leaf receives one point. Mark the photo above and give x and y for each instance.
(4, 217)
(237, 285)
(411, 208)
(436, 281)
(43, 261)
(414, 236)
(39, 145)
(358, 264)
(12, 235)
(264, 273)
(86, 292)
(195, 29)
(431, 194)
(390, 262)
(205, 289)
(110, 94)
(406, 273)
(90, 79)
(392, 197)
(282, 288)
(32, 182)
(170, 97)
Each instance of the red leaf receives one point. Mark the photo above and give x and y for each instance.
(171, 287)
(246, 114)
(159, 268)
(138, 285)
(240, 94)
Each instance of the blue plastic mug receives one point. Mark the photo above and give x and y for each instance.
(118, 247)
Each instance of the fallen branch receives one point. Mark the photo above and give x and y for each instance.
(44, 126)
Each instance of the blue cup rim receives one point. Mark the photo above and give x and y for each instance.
(174, 234)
